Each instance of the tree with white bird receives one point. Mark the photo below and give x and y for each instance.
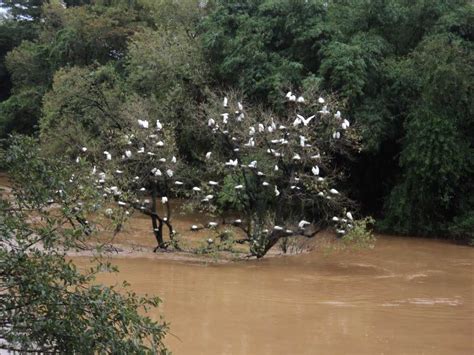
(275, 171)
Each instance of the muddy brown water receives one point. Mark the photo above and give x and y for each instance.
(406, 296)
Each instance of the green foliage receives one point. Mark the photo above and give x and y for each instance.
(262, 47)
(47, 304)
(360, 235)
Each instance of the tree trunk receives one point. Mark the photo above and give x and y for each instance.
(156, 222)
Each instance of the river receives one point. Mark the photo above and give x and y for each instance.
(406, 296)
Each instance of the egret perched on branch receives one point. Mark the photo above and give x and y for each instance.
(315, 170)
(321, 100)
(337, 115)
(232, 162)
(239, 187)
(211, 122)
(208, 155)
(303, 224)
(128, 153)
(300, 100)
(164, 200)
(277, 192)
(224, 103)
(159, 126)
(108, 156)
(334, 192)
(143, 123)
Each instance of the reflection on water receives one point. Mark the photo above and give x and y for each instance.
(407, 296)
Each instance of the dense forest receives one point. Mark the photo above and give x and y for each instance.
(403, 71)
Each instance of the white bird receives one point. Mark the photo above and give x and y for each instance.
(297, 121)
(173, 159)
(78, 160)
(210, 241)
(240, 117)
(300, 99)
(128, 153)
(250, 143)
(251, 131)
(278, 228)
(94, 169)
(276, 168)
(211, 122)
(108, 156)
(265, 183)
(225, 118)
(194, 227)
(150, 154)
(296, 157)
(315, 170)
(156, 172)
(336, 135)
(142, 189)
(261, 128)
(224, 103)
(335, 219)
(213, 183)
(119, 171)
(232, 162)
(164, 200)
(208, 155)
(321, 100)
(209, 197)
(337, 115)
(334, 192)
(239, 105)
(159, 126)
(277, 192)
(349, 215)
(143, 123)
(259, 173)
(317, 156)
(303, 223)
(292, 98)
(84, 149)
(178, 183)
(302, 141)
(197, 189)
(253, 164)
(345, 124)
(162, 160)
(212, 225)
(141, 150)
(237, 221)
(160, 144)
(288, 94)
(169, 172)
(239, 187)
(324, 110)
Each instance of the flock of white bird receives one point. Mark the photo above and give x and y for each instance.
(224, 127)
